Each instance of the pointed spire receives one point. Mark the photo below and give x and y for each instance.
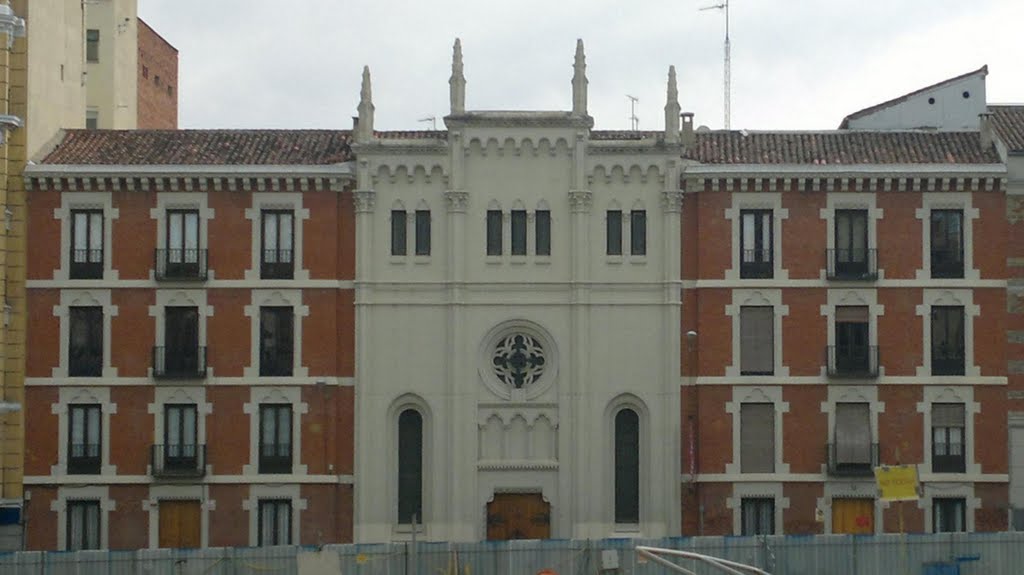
(579, 81)
(457, 83)
(672, 109)
(364, 131)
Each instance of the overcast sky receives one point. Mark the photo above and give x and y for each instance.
(796, 64)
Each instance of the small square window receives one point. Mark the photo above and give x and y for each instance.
(275, 438)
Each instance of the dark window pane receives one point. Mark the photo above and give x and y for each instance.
(85, 346)
(613, 233)
(274, 524)
(92, 45)
(638, 233)
(86, 244)
(756, 256)
(518, 232)
(627, 467)
(276, 341)
(277, 261)
(947, 340)
(949, 514)
(410, 467)
(422, 232)
(758, 516)
(84, 439)
(275, 438)
(493, 232)
(83, 525)
(948, 438)
(398, 241)
(543, 233)
(947, 243)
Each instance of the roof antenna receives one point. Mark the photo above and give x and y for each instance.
(634, 122)
(724, 6)
(432, 120)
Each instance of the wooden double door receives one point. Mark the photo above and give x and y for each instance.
(180, 525)
(855, 516)
(518, 516)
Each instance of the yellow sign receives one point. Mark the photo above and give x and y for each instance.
(897, 482)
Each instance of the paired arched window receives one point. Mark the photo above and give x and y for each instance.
(410, 467)
(627, 466)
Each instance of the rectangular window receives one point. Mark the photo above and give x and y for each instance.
(181, 450)
(398, 241)
(638, 232)
(947, 241)
(757, 340)
(519, 232)
(182, 257)
(423, 232)
(85, 345)
(86, 244)
(275, 438)
(92, 45)
(84, 439)
(852, 354)
(181, 355)
(276, 341)
(83, 529)
(275, 522)
(278, 245)
(543, 233)
(756, 244)
(758, 516)
(948, 438)
(853, 447)
(494, 232)
(949, 514)
(92, 119)
(851, 258)
(613, 234)
(947, 340)
(757, 438)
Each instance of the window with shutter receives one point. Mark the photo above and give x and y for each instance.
(757, 438)
(948, 438)
(757, 340)
(853, 446)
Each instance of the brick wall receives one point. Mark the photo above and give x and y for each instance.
(158, 81)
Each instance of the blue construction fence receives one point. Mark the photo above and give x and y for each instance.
(938, 554)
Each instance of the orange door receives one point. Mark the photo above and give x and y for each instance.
(179, 524)
(518, 516)
(855, 516)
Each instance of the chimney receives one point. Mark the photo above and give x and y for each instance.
(688, 138)
(985, 129)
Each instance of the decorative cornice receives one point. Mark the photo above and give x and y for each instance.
(516, 119)
(581, 200)
(834, 182)
(672, 201)
(517, 465)
(365, 200)
(457, 200)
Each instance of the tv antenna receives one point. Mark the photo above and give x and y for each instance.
(634, 122)
(432, 120)
(724, 6)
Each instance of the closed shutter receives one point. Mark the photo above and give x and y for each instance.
(757, 438)
(948, 415)
(853, 433)
(757, 340)
(852, 314)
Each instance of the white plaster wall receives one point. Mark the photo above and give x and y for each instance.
(950, 111)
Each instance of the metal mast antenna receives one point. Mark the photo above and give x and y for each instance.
(634, 122)
(724, 5)
(432, 120)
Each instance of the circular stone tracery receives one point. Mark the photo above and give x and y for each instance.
(518, 360)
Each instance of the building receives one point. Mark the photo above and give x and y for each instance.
(518, 326)
(157, 81)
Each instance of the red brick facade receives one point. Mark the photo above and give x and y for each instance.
(158, 81)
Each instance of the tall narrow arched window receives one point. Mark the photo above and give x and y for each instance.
(627, 467)
(410, 467)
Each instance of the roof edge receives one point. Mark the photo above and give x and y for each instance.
(898, 99)
(993, 170)
(341, 170)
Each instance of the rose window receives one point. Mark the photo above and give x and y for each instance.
(518, 360)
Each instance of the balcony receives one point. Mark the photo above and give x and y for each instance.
(947, 263)
(852, 461)
(179, 264)
(86, 264)
(756, 264)
(947, 359)
(277, 264)
(171, 363)
(854, 362)
(178, 461)
(84, 459)
(851, 265)
(275, 458)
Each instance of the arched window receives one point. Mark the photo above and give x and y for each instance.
(627, 467)
(410, 467)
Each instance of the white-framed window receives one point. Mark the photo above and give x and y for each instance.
(83, 415)
(182, 225)
(277, 240)
(85, 317)
(757, 516)
(180, 346)
(947, 236)
(268, 525)
(757, 332)
(274, 522)
(948, 317)
(411, 227)
(851, 242)
(949, 507)
(273, 315)
(277, 440)
(409, 466)
(83, 517)
(521, 234)
(853, 431)
(852, 344)
(757, 508)
(949, 413)
(757, 415)
(747, 215)
(626, 232)
(86, 236)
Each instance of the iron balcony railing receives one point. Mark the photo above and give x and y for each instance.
(852, 265)
(857, 361)
(181, 264)
(277, 264)
(275, 458)
(947, 263)
(852, 460)
(171, 363)
(947, 359)
(87, 264)
(179, 460)
(756, 264)
(84, 458)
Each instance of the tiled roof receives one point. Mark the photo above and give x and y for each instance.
(1008, 122)
(841, 148)
(871, 109)
(202, 147)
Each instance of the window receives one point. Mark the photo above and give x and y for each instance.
(494, 232)
(278, 245)
(758, 516)
(276, 341)
(638, 233)
(275, 438)
(947, 340)
(398, 241)
(757, 341)
(852, 356)
(542, 243)
(180, 443)
(613, 221)
(84, 439)
(948, 438)
(756, 244)
(423, 232)
(947, 242)
(410, 467)
(757, 438)
(181, 355)
(949, 514)
(274, 525)
(519, 232)
(87, 244)
(85, 345)
(627, 467)
(851, 259)
(92, 119)
(852, 452)
(83, 525)
(182, 258)
(92, 45)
